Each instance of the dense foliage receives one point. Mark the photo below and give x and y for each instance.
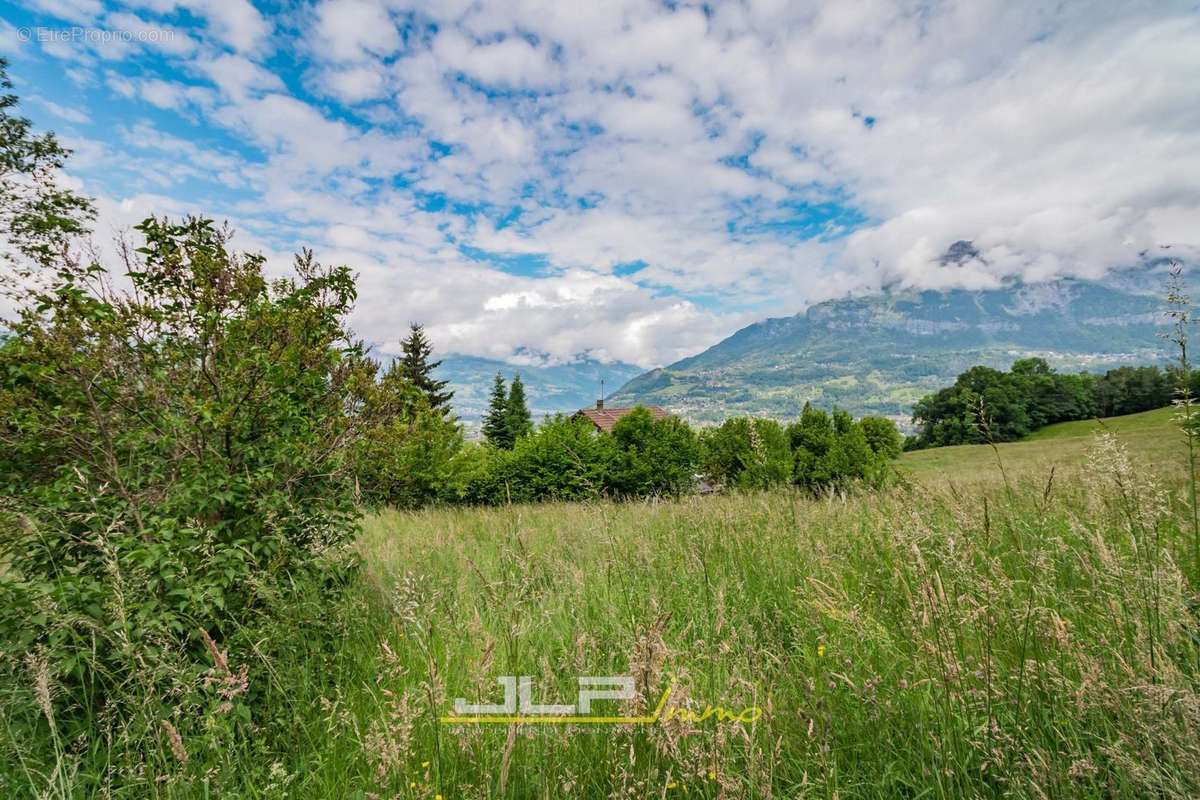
(986, 404)
(409, 450)
(819, 451)
(172, 470)
(173, 467)
(655, 456)
(747, 453)
(566, 458)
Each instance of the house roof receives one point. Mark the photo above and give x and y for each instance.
(605, 418)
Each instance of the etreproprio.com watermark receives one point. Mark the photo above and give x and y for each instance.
(80, 35)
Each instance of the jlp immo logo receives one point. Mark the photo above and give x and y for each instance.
(518, 706)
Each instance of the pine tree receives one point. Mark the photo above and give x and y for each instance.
(520, 422)
(416, 367)
(495, 421)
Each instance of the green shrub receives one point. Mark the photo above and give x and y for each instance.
(173, 467)
(883, 436)
(835, 451)
(747, 453)
(810, 438)
(409, 451)
(479, 476)
(564, 459)
(657, 457)
(849, 458)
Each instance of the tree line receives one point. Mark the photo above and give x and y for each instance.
(421, 457)
(417, 454)
(986, 404)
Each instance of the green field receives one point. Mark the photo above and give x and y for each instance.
(911, 643)
(928, 640)
(1152, 438)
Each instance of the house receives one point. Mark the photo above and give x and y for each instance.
(604, 418)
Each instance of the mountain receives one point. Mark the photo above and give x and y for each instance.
(553, 387)
(880, 354)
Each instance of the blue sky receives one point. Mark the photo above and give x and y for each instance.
(632, 180)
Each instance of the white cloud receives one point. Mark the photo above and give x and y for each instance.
(1061, 139)
(237, 76)
(168, 39)
(77, 11)
(351, 30)
(10, 39)
(235, 22)
(353, 85)
(63, 112)
(510, 62)
(162, 94)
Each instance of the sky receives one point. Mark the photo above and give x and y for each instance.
(538, 180)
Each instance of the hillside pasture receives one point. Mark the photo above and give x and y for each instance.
(1152, 438)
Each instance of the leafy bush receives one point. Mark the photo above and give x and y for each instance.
(882, 435)
(747, 453)
(810, 438)
(835, 450)
(564, 459)
(409, 451)
(850, 458)
(657, 457)
(173, 463)
(479, 477)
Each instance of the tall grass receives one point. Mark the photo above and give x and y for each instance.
(919, 642)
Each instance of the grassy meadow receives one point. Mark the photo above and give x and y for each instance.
(1151, 437)
(930, 640)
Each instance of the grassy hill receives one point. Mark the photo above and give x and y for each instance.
(1152, 438)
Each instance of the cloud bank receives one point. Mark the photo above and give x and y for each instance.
(635, 180)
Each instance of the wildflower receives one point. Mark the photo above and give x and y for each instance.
(712, 776)
(672, 785)
(820, 651)
(41, 685)
(176, 742)
(220, 659)
(424, 765)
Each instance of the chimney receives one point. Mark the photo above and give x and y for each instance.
(600, 404)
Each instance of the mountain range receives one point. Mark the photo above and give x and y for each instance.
(880, 354)
(549, 387)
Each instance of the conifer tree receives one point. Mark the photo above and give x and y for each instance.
(495, 421)
(520, 422)
(417, 369)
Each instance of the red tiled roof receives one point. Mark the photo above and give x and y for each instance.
(605, 418)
